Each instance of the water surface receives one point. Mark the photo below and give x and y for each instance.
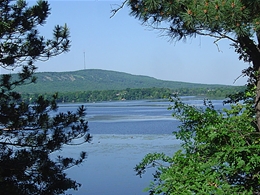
(123, 133)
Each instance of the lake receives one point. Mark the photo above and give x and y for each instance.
(123, 133)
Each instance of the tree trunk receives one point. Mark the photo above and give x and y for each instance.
(252, 50)
(256, 63)
(257, 100)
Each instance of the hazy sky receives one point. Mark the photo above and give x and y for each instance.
(122, 44)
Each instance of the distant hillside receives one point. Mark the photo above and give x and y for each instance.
(94, 79)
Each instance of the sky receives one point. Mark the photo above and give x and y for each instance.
(123, 44)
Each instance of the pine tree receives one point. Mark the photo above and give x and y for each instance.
(220, 150)
(29, 133)
(235, 20)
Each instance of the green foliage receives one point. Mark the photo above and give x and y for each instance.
(135, 94)
(235, 20)
(220, 149)
(30, 132)
(219, 156)
(188, 18)
(93, 79)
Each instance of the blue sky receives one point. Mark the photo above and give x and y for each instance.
(122, 44)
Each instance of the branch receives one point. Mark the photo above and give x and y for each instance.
(119, 7)
(216, 35)
(227, 37)
(215, 42)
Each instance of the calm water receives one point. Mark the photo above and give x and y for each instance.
(123, 132)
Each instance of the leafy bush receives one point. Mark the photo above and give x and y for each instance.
(220, 153)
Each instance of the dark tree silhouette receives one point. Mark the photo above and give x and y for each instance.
(29, 133)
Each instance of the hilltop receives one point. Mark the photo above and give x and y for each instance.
(95, 79)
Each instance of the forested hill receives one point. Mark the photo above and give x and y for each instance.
(95, 79)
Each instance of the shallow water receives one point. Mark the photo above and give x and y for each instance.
(109, 167)
(123, 133)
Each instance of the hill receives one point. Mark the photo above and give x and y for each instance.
(95, 79)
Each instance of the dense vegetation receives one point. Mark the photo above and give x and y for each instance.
(93, 79)
(135, 94)
(220, 150)
(30, 132)
(80, 86)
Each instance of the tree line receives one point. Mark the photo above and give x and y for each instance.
(134, 94)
